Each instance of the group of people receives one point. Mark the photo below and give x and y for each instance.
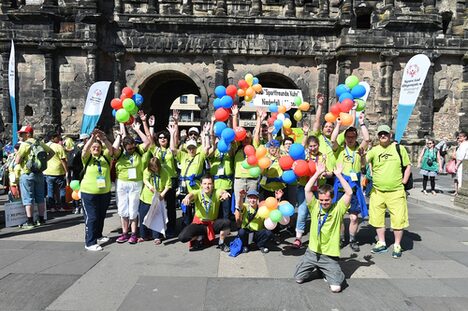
(163, 170)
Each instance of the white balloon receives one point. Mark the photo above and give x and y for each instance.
(269, 224)
(287, 105)
(280, 116)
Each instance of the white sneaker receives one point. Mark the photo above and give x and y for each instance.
(103, 239)
(94, 248)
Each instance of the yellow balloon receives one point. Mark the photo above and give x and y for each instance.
(287, 123)
(263, 212)
(249, 79)
(298, 115)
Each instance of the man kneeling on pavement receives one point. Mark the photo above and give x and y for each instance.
(205, 222)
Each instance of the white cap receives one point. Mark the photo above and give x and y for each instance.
(194, 129)
(84, 136)
(192, 143)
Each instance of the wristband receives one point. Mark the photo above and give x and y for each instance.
(362, 124)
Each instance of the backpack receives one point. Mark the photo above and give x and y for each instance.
(37, 161)
(74, 161)
(409, 183)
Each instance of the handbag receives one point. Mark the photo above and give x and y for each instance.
(451, 166)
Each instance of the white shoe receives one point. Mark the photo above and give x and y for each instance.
(103, 239)
(94, 248)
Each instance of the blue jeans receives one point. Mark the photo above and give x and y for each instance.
(261, 237)
(95, 209)
(302, 210)
(52, 183)
(32, 188)
(143, 209)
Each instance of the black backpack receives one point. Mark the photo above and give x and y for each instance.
(74, 162)
(409, 183)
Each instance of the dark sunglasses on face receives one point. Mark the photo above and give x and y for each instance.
(162, 137)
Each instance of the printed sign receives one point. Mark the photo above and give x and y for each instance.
(15, 214)
(275, 96)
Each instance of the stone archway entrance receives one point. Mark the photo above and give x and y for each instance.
(276, 80)
(161, 89)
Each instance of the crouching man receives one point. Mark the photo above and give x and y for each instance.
(324, 241)
(205, 223)
(251, 224)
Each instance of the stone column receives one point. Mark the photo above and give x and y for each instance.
(344, 68)
(51, 108)
(118, 73)
(187, 7)
(347, 9)
(117, 6)
(324, 8)
(463, 113)
(425, 103)
(220, 78)
(290, 8)
(323, 80)
(152, 7)
(221, 9)
(384, 98)
(429, 6)
(91, 66)
(256, 9)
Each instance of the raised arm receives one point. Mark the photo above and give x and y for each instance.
(235, 115)
(175, 117)
(364, 131)
(256, 134)
(151, 122)
(148, 134)
(309, 194)
(173, 143)
(144, 139)
(346, 187)
(335, 133)
(102, 137)
(86, 148)
(305, 130)
(318, 113)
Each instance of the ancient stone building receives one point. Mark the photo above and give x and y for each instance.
(166, 48)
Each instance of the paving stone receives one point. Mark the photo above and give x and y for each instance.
(11, 244)
(455, 234)
(252, 264)
(440, 243)
(9, 256)
(460, 257)
(458, 285)
(438, 303)
(424, 288)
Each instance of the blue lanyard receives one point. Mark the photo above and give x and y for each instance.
(98, 163)
(156, 181)
(163, 154)
(206, 204)
(347, 153)
(321, 223)
(327, 141)
(130, 158)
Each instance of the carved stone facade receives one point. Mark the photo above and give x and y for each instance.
(166, 48)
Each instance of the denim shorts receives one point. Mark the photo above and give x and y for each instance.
(32, 188)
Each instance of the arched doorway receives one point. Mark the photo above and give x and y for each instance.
(276, 80)
(161, 89)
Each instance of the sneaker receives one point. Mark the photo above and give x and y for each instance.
(300, 281)
(224, 247)
(379, 248)
(195, 246)
(396, 251)
(76, 211)
(297, 244)
(342, 243)
(245, 249)
(122, 238)
(40, 222)
(264, 250)
(103, 239)
(94, 248)
(425, 192)
(157, 241)
(133, 239)
(27, 226)
(354, 246)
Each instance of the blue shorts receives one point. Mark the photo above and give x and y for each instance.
(32, 188)
(354, 208)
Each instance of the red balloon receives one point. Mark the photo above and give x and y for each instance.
(286, 162)
(271, 121)
(252, 160)
(312, 167)
(130, 121)
(335, 109)
(127, 92)
(240, 133)
(346, 105)
(123, 97)
(222, 114)
(231, 90)
(249, 150)
(274, 115)
(301, 168)
(243, 84)
(116, 103)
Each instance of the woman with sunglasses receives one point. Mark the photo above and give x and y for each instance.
(430, 162)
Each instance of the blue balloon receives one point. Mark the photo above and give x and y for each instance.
(289, 177)
(114, 112)
(217, 103)
(273, 108)
(344, 96)
(219, 128)
(138, 99)
(287, 116)
(287, 209)
(226, 101)
(296, 151)
(358, 91)
(223, 147)
(255, 81)
(220, 91)
(341, 89)
(278, 124)
(228, 135)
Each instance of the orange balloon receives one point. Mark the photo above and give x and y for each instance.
(281, 109)
(346, 119)
(330, 117)
(287, 131)
(264, 163)
(257, 88)
(68, 194)
(250, 92)
(261, 152)
(271, 203)
(75, 195)
(240, 93)
(304, 106)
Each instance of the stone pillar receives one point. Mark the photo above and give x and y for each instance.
(344, 69)
(463, 112)
(187, 7)
(51, 108)
(220, 78)
(290, 8)
(91, 66)
(324, 8)
(221, 9)
(461, 200)
(347, 9)
(425, 104)
(5, 6)
(117, 6)
(323, 81)
(118, 73)
(429, 6)
(152, 7)
(256, 9)
(384, 98)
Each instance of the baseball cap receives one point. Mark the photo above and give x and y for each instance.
(193, 129)
(192, 143)
(252, 192)
(84, 136)
(383, 128)
(273, 143)
(26, 129)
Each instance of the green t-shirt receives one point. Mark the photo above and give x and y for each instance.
(256, 224)
(98, 167)
(240, 172)
(326, 148)
(159, 181)
(386, 167)
(349, 158)
(221, 165)
(54, 165)
(68, 144)
(25, 153)
(126, 165)
(195, 167)
(328, 241)
(270, 174)
(206, 206)
(430, 154)
(166, 158)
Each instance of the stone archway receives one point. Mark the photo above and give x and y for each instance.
(276, 80)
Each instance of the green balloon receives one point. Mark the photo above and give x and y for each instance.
(361, 105)
(135, 110)
(297, 101)
(245, 165)
(122, 115)
(128, 104)
(75, 184)
(255, 171)
(275, 215)
(351, 81)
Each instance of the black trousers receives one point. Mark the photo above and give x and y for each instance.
(261, 237)
(194, 230)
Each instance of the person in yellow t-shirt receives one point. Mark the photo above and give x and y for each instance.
(270, 181)
(55, 175)
(324, 239)
(388, 190)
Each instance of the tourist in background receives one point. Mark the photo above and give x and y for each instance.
(430, 162)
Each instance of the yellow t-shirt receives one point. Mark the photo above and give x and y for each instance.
(166, 158)
(349, 158)
(195, 167)
(54, 165)
(206, 206)
(159, 181)
(126, 165)
(256, 224)
(98, 167)
(271, 176)
(25, 154)
(221, 165)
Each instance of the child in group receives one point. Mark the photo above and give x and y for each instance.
(324, 241)
(156, 181)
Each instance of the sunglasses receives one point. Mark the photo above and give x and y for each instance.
(383, 134)
(162, 137)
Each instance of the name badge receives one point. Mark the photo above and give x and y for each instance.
(220, 170)
(132, 174)
(101, 182)
(251, 236)
(353, 176)
(12, 177)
